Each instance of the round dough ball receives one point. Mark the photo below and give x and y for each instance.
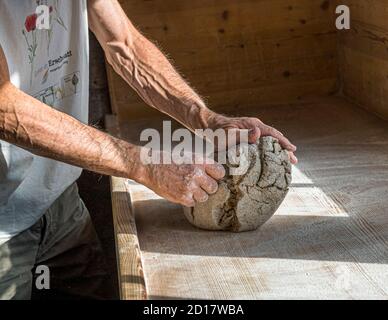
(246, 201)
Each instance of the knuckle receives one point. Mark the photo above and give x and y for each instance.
(205, 198)
(197, 171)
(220, 169)
(188, 200)
(272, 130)
(213, 187)
(202, 197)
(194, 171)
(187, 185)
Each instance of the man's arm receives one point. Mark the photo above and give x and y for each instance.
(44, 131)
(143, 66)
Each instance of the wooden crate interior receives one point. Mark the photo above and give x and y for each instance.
(363, 56)
(244, 53)
(285, 62)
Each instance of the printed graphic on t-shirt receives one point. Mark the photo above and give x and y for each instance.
(33, 42)
(68, 86)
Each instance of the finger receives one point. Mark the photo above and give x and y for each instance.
(253, 135)
(215, 170)
(200, 195)
(187, 201)
(293, 158)
(208, 184)
(284, 142)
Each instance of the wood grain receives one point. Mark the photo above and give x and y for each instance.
(244, 53)
(329, 239)
(363, 52)
(129, 264)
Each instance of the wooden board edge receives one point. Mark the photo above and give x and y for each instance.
(129, 263)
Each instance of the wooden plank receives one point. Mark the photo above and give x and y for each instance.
(366, 39)
(264, 17)
(329, 239)
(248, 97)
(129, 264)
(373, 12)
(225, 47)
(363, 55)
(365, 81)
(111, 125)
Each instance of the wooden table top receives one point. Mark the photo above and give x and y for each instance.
(328, 240)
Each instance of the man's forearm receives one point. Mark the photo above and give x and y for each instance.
(160, 86)
(44, 131)
(144, 66)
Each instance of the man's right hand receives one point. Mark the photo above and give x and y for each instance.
(185, 184)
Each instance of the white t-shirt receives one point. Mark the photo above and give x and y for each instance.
(51, 65)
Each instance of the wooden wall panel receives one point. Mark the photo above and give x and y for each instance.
(238, 53)
(364, 55)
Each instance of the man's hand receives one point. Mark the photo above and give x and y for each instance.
(256, 129)
(143, 66)
(185, 184)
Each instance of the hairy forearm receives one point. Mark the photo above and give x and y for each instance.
(152, 76)
(144, 67)
(44, 131)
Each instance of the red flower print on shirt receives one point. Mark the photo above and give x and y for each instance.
(30, 23)
(31, 40)
(30, 30)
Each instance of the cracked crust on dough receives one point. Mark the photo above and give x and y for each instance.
(245, 202)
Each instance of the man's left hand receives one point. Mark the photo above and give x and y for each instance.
(256, 129)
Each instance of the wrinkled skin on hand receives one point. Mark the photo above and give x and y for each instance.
(184, 183)
(256, 129)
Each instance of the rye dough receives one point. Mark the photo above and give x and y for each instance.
(245, 202)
